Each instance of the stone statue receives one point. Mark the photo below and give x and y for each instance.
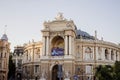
(59, 16)
(67, 75)
(43, 75)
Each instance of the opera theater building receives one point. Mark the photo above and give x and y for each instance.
(66, 53)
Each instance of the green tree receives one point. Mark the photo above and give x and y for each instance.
(104, 72)
(117, 70)
(11, 73)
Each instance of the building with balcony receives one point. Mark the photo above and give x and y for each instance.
(66, 51)
(4, 57)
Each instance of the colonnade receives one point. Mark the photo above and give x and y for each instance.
(46, 45)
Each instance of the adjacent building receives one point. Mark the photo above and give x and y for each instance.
(4, 57)
(17, 59)
(66, 51)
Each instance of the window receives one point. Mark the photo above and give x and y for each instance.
(88, 53)
(38, 53)
(36, 68)
(106, 54)
(88, 69)
(112, 55)
(27, 54)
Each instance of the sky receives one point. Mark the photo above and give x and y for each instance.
(25, 18)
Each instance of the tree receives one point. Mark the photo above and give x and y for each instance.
(108, 72)
(117, 70)
(11, 73)
(104, 72)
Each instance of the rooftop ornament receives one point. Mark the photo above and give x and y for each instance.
(59, 16)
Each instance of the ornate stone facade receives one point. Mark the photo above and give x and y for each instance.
(4, 57)
(64, 49)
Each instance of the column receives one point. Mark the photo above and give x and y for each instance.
(109, 54)
(70, 42)
(43, 46)
(103, 54)
(66, 45)
(47, 46)
(96, 55)
(114, 55)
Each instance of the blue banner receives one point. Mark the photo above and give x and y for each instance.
(57, 51)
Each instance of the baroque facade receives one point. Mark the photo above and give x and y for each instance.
(4, 57)
(66, 51)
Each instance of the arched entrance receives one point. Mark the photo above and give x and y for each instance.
(55, 72)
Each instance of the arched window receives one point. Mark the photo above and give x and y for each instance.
(112, 55)
(106, 54)
(58, 46)
(88, 53)
(38, 53)
(27, 54)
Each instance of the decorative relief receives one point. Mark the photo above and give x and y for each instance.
(68, 24)
(57, 33)
(59, 16)
(88, 50)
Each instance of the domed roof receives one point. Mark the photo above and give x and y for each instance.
(84, 35)
(4, 37)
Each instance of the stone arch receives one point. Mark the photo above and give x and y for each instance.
(57, 46)
(112, 55)
(55, 72)
(106, 54)
(53, 64)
